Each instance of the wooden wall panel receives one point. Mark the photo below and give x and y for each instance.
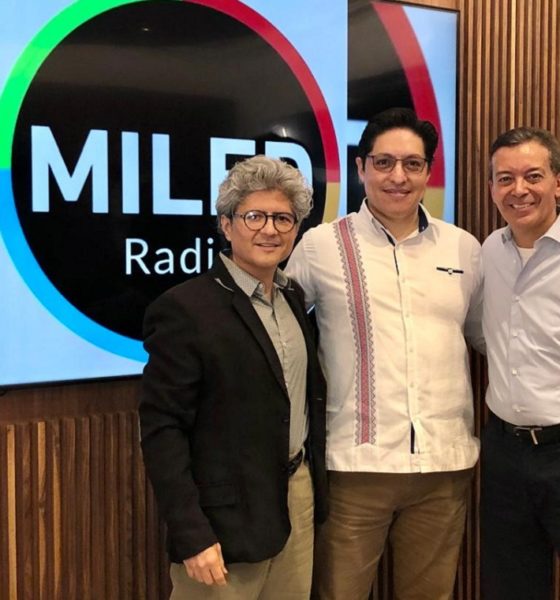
(77, 519)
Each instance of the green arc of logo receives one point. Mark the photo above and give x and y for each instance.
(32, 58)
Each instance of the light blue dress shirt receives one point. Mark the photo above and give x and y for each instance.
(521, 325)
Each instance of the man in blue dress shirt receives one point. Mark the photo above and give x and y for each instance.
(520, 503)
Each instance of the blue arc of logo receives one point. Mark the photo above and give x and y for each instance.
(46, 292)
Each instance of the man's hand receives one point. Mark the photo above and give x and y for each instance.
(207, 567)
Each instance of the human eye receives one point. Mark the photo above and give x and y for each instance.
(413, 163)
(254, 216)
(285, 218)
(534, 177)
(504, 180)
(383, 162)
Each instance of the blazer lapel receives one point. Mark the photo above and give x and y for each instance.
(242, 305)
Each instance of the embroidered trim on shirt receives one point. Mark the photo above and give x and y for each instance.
(360, 317)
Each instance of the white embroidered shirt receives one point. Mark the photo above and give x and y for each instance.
(391, 317)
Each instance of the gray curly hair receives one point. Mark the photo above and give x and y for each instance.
(261, 173)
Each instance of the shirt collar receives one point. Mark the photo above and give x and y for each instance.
(424, 219)
(249, 284)
(552, 233)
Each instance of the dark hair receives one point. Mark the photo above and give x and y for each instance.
(521, 135)
(398, 118)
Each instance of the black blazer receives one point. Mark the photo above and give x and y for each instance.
(215, 420)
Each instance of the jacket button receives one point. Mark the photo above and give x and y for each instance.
(285, 419)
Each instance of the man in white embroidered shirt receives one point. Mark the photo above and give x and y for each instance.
(520, 492)
(394, 291)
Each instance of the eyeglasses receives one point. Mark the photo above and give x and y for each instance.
(385, 163)
(256, 220)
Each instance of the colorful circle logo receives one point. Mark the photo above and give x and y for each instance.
(122, 119)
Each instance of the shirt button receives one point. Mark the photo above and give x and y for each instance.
(516, 299)
(514, 334)
(516, 408)
(514, 371)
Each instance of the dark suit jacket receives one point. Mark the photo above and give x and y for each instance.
(215, 420)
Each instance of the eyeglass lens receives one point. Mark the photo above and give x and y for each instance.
(387, 162)
(257, 219)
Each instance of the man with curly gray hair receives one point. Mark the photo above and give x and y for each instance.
(233, 405)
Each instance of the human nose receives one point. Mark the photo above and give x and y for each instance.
(519, 186)
(398, 173)
(269, 227)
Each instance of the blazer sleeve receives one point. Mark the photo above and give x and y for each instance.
(171, 392)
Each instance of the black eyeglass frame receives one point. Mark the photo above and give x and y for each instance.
(273, 215)
(394, 160)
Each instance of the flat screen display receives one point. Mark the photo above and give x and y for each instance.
(120, 118)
